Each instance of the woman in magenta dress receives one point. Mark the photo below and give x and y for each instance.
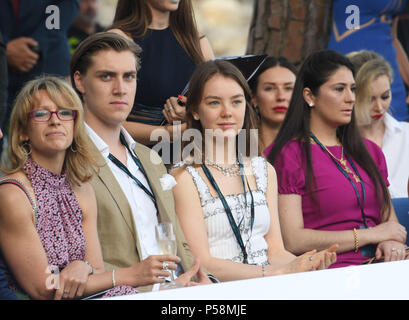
(48, 214)
(332, 183)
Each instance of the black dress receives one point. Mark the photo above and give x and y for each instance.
(165, 71)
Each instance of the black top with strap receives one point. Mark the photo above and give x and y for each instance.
(165, 71)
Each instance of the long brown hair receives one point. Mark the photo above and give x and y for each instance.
(315, 71)
(203, 73)
(134, 16)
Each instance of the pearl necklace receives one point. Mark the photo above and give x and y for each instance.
(233, 170)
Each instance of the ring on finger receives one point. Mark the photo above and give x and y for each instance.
(394, 250)
(310, 258)
(165, 266)
(66, 292)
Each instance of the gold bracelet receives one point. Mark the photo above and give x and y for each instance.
(262, 270)
(113, 278)
(356, 240)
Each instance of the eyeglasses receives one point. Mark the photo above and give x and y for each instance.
(45, 115)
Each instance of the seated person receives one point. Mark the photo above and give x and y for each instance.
(332, 184)
(48, 216)
(226, 197)
(271, 88)
(130, 198)
(373, 99)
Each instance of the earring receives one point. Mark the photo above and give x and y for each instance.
(26, 148)
(311, 105)
(72, 149)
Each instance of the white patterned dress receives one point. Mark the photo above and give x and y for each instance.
(222, 242)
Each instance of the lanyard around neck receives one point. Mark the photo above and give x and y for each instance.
(360, 201)
(233, 224)
(121, 166)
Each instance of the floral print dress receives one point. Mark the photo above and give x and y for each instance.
(59, 221)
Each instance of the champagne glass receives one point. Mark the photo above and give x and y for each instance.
(165, 236)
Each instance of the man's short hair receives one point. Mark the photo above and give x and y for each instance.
(101, 41)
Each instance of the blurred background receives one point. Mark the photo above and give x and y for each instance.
(217, 19)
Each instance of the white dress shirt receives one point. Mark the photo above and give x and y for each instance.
(143, 209)
(395, 146)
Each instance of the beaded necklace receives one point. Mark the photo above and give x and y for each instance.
(233, 224)
(233, 170)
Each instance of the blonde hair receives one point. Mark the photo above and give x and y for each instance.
(358, 58)
(78, 158)
(369, 66)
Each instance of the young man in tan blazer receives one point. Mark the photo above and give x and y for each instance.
(103, 71)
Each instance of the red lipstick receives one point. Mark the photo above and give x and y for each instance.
(280, 109)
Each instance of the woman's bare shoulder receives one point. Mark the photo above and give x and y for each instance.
(85, 195)
(181, 174)
(206, 48)
(21, 178)
(84, 192)
(15, 204)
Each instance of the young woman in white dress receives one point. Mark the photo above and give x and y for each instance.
(226, 197)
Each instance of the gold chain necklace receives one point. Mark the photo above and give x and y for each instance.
(343, 163)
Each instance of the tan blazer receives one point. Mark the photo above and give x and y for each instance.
(116, 228)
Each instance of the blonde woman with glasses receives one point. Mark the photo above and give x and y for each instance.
(48, 214)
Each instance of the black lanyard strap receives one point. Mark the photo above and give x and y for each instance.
(233, 224)
(121, 166)
(361, 202)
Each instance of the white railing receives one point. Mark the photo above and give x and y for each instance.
(377, 281)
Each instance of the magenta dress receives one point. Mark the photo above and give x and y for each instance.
(337, 207)
(59, 222)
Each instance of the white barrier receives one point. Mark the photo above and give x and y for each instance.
(377, 281)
